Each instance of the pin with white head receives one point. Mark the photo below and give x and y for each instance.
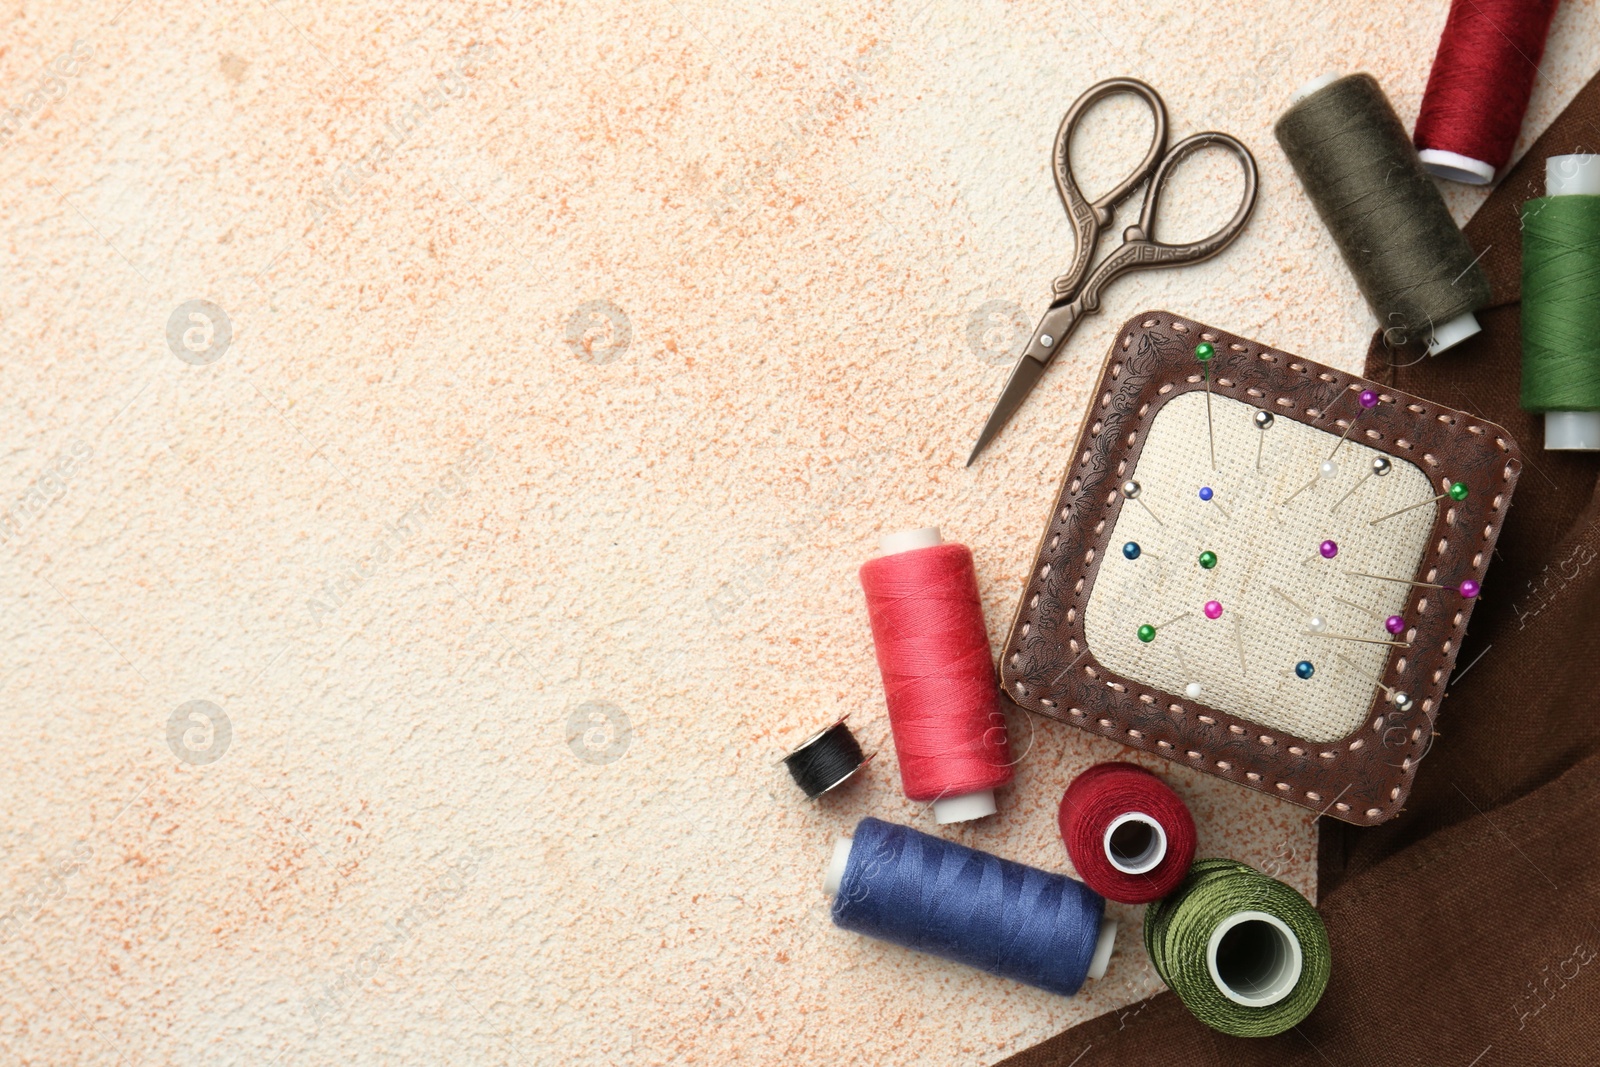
(1398, 697)
(1131, 490)
(1327, 470)
(1381, 466)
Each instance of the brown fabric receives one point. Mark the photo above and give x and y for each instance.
(1465, 932)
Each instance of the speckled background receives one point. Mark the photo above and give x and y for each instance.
(578, 356)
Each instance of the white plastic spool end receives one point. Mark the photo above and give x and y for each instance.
(1254, 959)
(1572, 431)
(1572, 175)
(1314, 85)
(1102, 948)
(833, 877)
(964, 808)
(907, 540)
(1455, 167)
(1135, 843)
(1449, 334)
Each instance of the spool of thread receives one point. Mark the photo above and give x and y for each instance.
(938, 673)
(1561, 303)
(1479, 87)
(825, 760)
(1357, 165)
(1245, 953)
(930, 895)
(1131, 838)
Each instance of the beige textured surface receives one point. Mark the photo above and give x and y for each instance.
(1266, 529)
(579, 355)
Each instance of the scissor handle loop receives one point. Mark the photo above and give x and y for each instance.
(1089, 218)
(1140, 250)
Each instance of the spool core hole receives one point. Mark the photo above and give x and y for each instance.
(1135, 843)
(1254, 959)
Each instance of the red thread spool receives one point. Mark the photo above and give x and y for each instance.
(1130, 836)
(1479, 87)
(938, 673)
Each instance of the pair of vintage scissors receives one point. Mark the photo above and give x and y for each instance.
(1074, 297)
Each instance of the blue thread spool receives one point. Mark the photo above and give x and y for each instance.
(931, 895)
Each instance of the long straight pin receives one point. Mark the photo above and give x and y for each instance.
(1131, 489)
(1147, 633)
(1468, 588)
(1368, 399)
(1292, 602)
(1238, 641)
(1204, 353)
(1395, 624)
(1264, 421)
(1363, 640)
(1326, 550)
(1326, 470)
(1456, 492)
(1206, 493)
(1380, 467)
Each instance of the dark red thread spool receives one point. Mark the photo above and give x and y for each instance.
(1479, 87)
(938, 673)
(1129, 835)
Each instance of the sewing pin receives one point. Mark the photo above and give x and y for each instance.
(1206, 493)
(1131, 489)
(1264, 421)
(1326, 469)
(1315, 623)
(1368, 399)
(1326, 550)
(1467, 589)
(1380, 467)
(1395, 624)
(1400, 698)
(1147, 633)
(1238, 641)
(1456, 492)
(1204, 352)
(1133, 550)
(1363, 640)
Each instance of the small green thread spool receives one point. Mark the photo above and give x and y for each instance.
(1246, 954)
(1561, 303)
(1360, 170)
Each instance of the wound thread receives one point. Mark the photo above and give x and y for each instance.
(935, 896)
(1561, 303)
(1247, 954)
(938, 676)
(1130, 837)
(825, 760)
(1479, 86)
(1410, 260)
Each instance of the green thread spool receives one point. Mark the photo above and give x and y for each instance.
(1246, 954)
(1362, 173)
(1561, 303)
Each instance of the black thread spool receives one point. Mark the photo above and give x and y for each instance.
(825, 760)
(1358, 167)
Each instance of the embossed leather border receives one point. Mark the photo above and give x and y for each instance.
(1046, 666)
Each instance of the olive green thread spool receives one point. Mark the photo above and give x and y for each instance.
(1246, 954)
(1561, 303)
(1362, 174)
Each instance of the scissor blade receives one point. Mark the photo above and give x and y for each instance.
(1024, 376)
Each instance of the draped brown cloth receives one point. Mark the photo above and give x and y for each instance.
(1466, 931)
